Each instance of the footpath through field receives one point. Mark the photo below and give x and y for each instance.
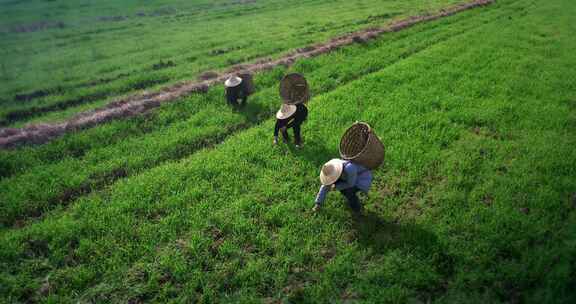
(474, 203)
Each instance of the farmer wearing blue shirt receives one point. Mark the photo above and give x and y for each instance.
(348, 178)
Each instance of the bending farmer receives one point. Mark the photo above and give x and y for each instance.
(348, 178)
(235, 91)
(290, 116)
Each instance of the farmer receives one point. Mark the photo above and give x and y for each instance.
(348, 178)
(290, 116)
(235, 91)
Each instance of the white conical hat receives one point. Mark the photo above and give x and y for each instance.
(286, 111)
(233, 81)
(331, 171)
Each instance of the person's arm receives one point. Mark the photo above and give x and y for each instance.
(351, 176)
(227, 94)
(231, 95)
(276, 129)
(321, 196)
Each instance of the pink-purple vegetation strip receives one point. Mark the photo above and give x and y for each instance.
(136, 104)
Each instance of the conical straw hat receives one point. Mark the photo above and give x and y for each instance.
(233, 81)
(286, 111)
(331, 171)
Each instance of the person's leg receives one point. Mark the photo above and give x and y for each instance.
(352, 198)
(232, 101)
(297, 137)
(230, 96)
(285, 135)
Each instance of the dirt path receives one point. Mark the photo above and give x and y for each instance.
(136, 104)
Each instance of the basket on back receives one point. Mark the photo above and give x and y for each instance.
(247, 83)
(361, 145)
(294, 89)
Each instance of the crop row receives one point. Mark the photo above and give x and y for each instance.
(182, 41)
(453, 215)
(89, 164)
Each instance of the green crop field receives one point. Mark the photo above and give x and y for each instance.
(191, 202)
(58, 58)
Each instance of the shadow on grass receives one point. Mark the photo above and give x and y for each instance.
(313, 152)
(373, 231)
(254, 112)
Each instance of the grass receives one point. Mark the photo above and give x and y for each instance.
(82, 161)
(474, 203)
(92, 59)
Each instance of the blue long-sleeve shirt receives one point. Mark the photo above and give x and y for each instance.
(353, 175)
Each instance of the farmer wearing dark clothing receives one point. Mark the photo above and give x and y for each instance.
(347, 177)
(235, 91)
(290, 116)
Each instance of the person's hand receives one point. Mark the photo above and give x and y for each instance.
(275, 140)
(333, 186)
(316, 208)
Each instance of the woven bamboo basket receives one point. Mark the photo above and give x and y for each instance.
(247, 83)
(294, 89)
(361, 145)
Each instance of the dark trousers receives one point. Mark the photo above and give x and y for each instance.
(236, 97)
(352, 198)
(297, 135)
(238, 102)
